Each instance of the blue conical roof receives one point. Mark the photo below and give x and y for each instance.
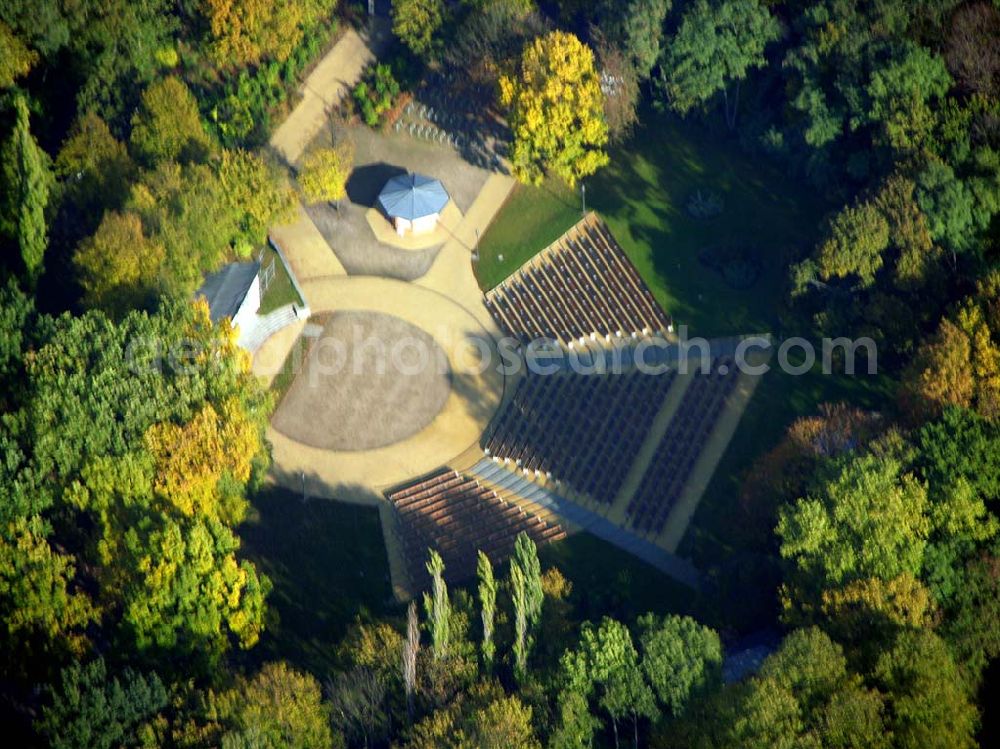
(412, 196)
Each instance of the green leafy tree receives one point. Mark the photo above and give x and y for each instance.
(716, 44)
(526, 557)
(41, 602)
(961, 445)
(953, 212)
(900, 94)
(641, 32)
(27, 179)
(167, 126)
(857, 238)
(278, 707)
(187, 211)
(488, 604)
(95, 169)
(123, 417)
(869, 520)
(522, 642)
(972, 624)
(680, 658)
(45, 25)
(91, 710)
(257, 194)
(928, 699)
(438, 607)
(173, 571)
(803, 696)
(117, 49)
(18, 58)
(575, 725)
(417, 23)
(606, 663)
(556, 111)
(119, 266)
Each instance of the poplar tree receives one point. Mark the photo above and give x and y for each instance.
(519, 595)
(527, 595)
(410, 649)
(488, 601)
(437, 606)
(526, 557)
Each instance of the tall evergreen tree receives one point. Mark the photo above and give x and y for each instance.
(438, 607)
(488, 601)
(27, 178)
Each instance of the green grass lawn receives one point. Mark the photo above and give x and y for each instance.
(328, 565)
(642, 195)
(532, 218)
(280, 291)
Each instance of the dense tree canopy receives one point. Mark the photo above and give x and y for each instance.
(716, 44)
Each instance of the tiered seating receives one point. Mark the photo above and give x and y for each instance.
(582, 429)
(581, 287)
(458, 517)
(680, 447)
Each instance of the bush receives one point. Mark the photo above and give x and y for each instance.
(241, 108)
(374, 95)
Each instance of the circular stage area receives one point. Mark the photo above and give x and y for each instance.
(318, 433)
(369, 380)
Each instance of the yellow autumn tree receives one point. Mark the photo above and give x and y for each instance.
(324, 172)
(556, 111)
(244, 32)
(17, 59)
(193, 460)
(864, 608)
(960, 364)
(119, 266)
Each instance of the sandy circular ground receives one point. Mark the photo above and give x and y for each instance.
(370, 380)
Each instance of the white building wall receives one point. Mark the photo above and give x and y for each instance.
(251, 303)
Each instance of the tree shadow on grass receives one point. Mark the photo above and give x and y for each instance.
(327, 562)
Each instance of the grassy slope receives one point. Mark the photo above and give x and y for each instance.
(642, 195)
(280, 291)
